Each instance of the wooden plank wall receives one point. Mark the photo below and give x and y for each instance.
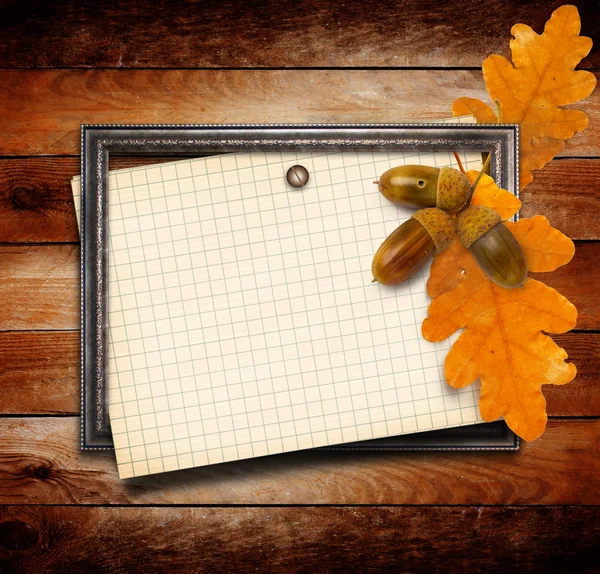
(66, 63)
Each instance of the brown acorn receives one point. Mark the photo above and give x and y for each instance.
(411, 245)
(495, 248)
(423, 186)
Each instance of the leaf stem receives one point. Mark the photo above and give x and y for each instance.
(485, 166)
(498, 111)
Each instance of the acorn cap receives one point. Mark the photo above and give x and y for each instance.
(475, 222)
(453, 189)
(438, 224)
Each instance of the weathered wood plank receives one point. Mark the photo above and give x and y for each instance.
(567, 192)
(39, 286)
(399, 539)
(36, 203)
(40, 464)
(215, 34)
(43, 110)
(581, 397)
(39, 374)
(579, 281)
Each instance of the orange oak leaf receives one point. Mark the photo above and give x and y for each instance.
(474, 107)
(532, 91)
(502, 342)
(545, 248)
(489, 194)
(446, 270)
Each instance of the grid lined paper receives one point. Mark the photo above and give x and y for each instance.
(243, 320)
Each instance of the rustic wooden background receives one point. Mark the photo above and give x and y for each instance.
(65, 63)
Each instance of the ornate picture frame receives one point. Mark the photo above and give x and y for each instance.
(100, 142)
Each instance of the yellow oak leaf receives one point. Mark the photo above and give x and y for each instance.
(502, 342)
(545, 248)
(489, 194)
(532, 91)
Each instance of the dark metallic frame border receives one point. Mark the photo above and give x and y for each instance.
(99, 142)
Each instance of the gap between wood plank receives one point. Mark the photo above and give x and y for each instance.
(307, 506)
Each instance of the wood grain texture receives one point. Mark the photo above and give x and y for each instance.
(582, 396)
(579, 282)
(39, 458)
(39, 286)
(43, 110)
(41, 464)
(39, 374)
(36, 204)
(213, 34)
(398, 539)
(567, 192)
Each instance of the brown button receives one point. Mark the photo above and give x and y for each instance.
(297, 176)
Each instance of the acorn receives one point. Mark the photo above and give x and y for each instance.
(411, 245)
(423, 186)
(495, 248)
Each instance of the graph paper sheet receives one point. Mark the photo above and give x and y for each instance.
(243, 320)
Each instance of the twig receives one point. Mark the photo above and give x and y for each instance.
(460, 165)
